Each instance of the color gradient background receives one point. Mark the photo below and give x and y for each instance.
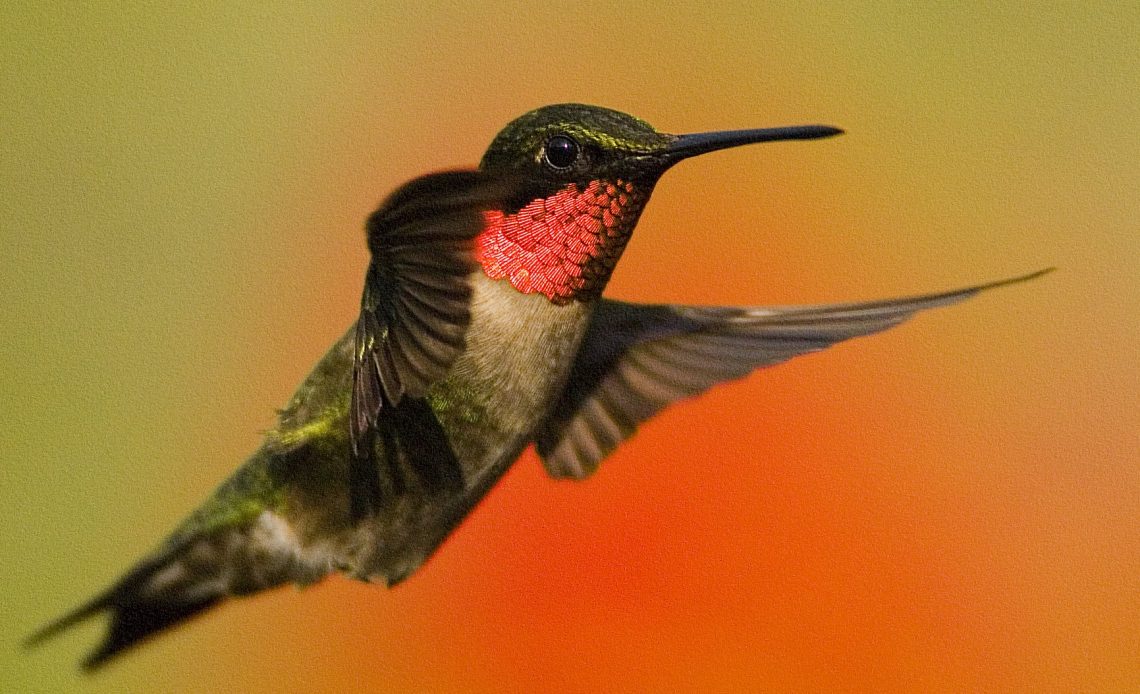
(950, 506)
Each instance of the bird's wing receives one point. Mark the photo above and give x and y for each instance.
(636, 359)
(416, 305)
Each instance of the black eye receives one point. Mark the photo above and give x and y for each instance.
(560, 152)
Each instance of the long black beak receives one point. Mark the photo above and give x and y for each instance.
(699, 143)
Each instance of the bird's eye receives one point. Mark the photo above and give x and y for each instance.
(560, 152)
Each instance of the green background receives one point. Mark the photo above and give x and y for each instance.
(951, 506)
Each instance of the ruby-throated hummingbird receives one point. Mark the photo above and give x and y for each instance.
(482, 330)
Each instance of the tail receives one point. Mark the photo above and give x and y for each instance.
(184, 578)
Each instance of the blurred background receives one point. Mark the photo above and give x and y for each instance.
(949, 506)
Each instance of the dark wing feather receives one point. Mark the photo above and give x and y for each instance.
(415, 308)
(636, 359)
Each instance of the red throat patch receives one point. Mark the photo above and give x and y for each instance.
(564, 246)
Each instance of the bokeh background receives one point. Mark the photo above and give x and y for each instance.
(950, 506)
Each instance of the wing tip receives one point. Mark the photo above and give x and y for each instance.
(1017, 280)
(962, 294)
(954, 296)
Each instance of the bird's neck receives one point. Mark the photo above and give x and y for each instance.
(563, 246)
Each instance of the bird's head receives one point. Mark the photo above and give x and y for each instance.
(589, 172)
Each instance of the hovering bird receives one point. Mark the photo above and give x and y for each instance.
(482, 330)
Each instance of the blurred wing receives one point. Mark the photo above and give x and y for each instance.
(636, 359)
(415, 308)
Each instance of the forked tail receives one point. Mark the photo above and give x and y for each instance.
(185, 577)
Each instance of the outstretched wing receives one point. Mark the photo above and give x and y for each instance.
(415, 309)
(636, 359)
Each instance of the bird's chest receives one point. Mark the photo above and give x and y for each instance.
(519, 351)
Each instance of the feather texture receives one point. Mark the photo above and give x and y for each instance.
(637, 359)
(415, 309)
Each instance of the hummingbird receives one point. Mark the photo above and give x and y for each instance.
(482, 331)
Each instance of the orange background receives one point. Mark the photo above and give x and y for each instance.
(950, 506)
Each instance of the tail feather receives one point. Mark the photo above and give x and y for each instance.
(178, 582)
